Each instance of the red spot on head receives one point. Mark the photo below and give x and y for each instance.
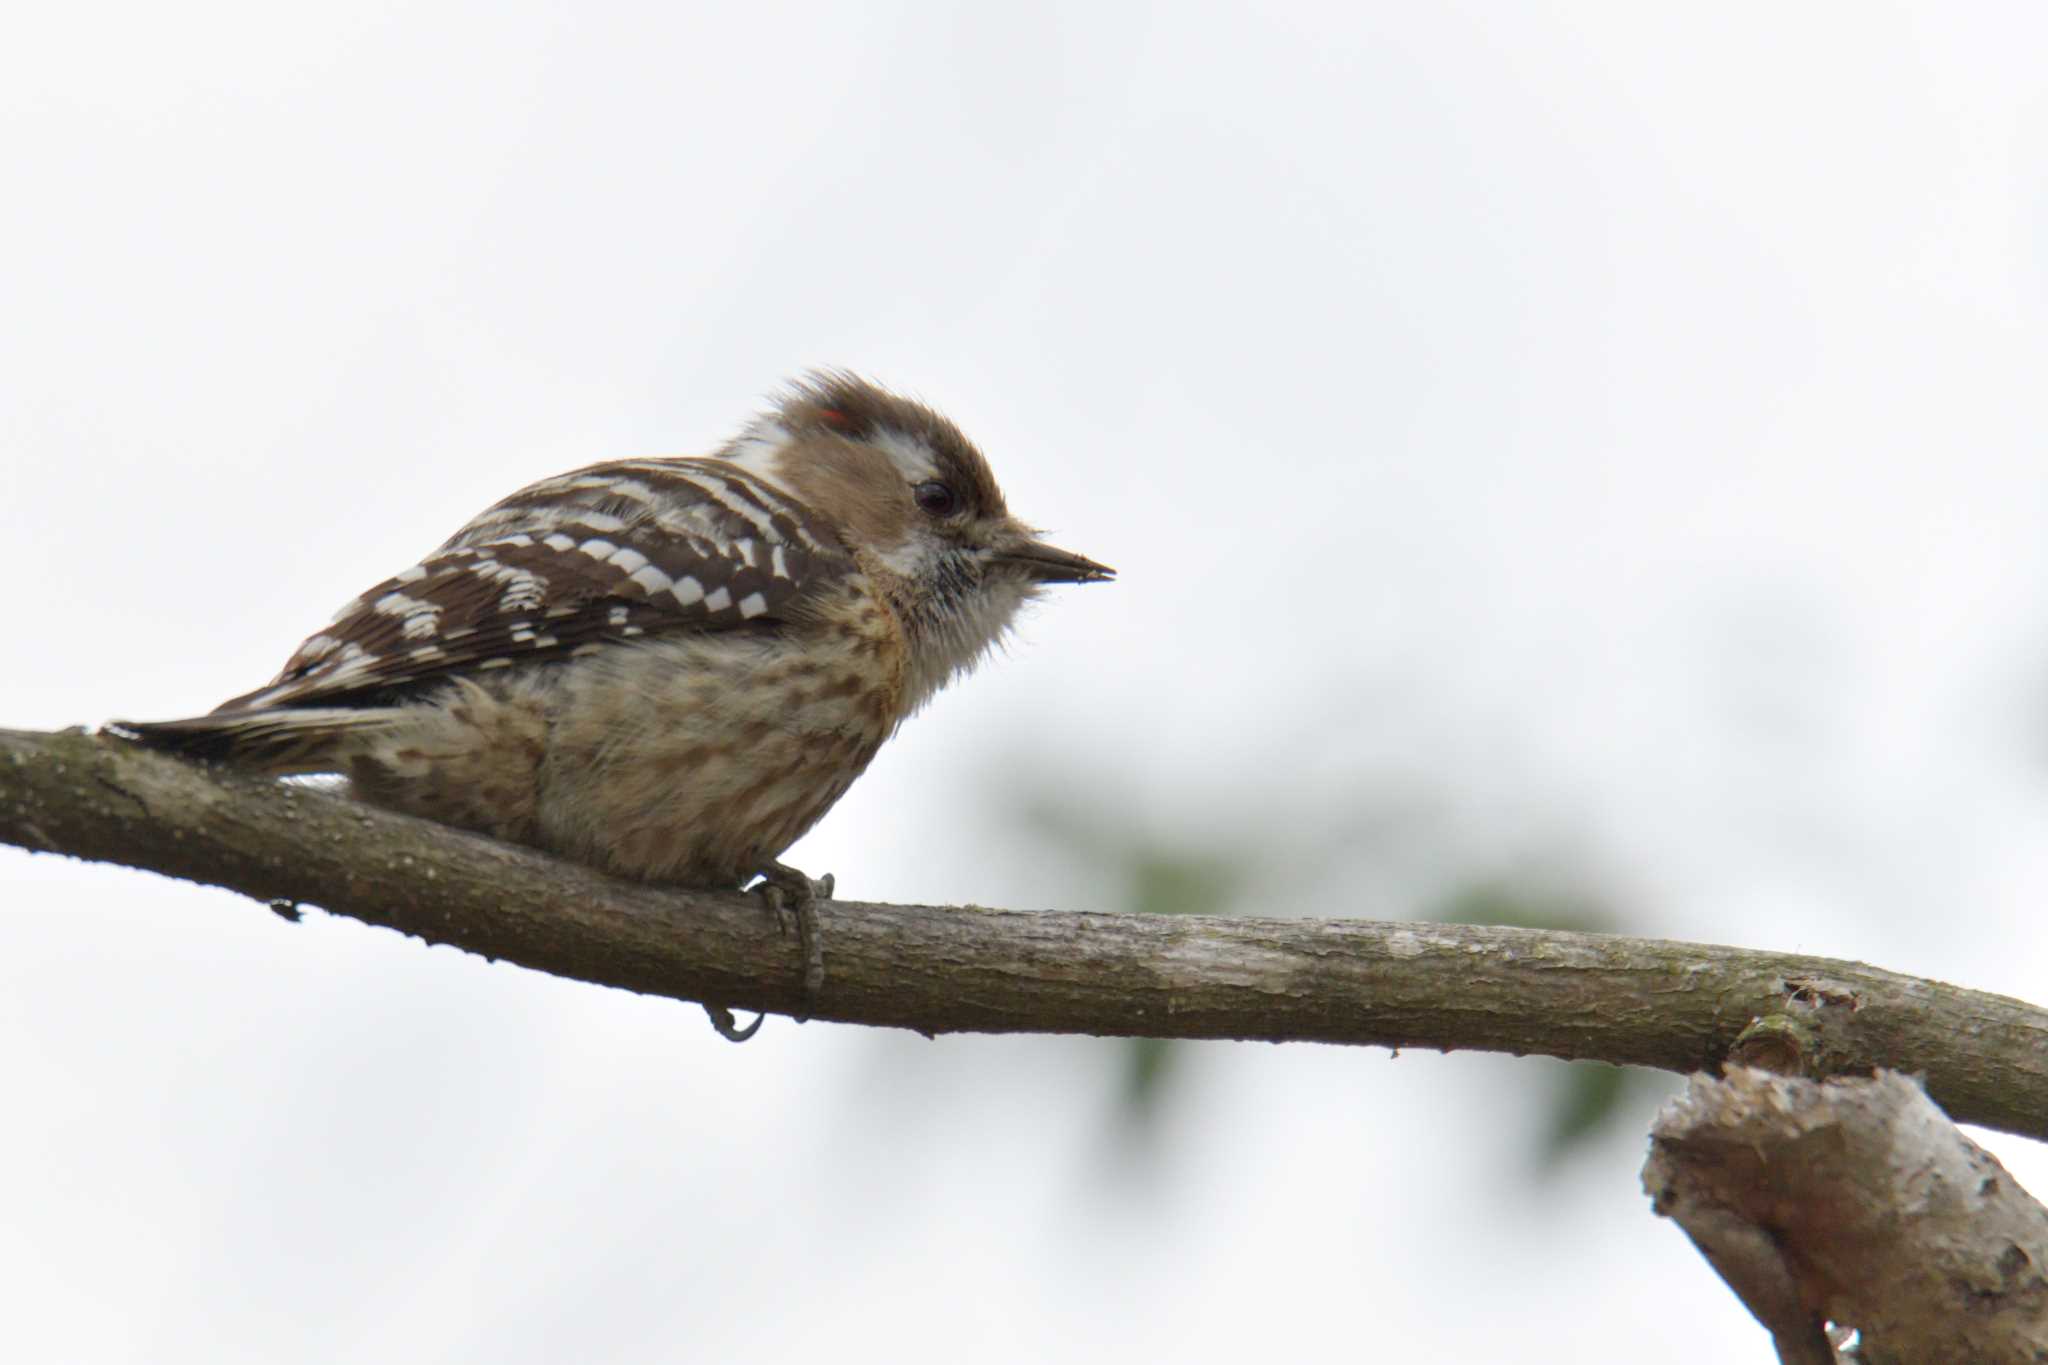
(833, 417)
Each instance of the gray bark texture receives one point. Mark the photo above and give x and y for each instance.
(1854, 1203)
(1628, 1001)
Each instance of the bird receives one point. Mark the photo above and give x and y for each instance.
(665, 668)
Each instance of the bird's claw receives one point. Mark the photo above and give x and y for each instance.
(793, 899)
(790, 894)
(722, 1020)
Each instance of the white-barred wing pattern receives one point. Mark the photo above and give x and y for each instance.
(603, 554)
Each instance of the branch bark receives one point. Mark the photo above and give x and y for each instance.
(1629, 1001)
(1854, 1202)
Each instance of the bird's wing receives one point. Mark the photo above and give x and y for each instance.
(608, 553)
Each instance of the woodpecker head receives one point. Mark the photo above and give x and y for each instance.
(918, 505)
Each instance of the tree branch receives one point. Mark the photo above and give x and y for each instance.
(1857, 1203)
(1630, 1001)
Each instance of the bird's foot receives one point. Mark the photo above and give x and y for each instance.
(722, 1020)
(793, 896)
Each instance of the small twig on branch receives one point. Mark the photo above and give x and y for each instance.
(1629, 1001)
(1854, 1202)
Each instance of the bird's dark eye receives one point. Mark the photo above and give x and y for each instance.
(936, 499)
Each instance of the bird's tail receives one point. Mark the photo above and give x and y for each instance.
(278, 741)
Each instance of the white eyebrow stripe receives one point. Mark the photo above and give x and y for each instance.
(913, 459)
(758, 448)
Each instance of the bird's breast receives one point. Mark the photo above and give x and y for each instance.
(695, 759)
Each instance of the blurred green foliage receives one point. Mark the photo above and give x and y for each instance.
(1183, 875)
(1586, 1100)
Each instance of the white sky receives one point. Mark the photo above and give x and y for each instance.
(1594, 438)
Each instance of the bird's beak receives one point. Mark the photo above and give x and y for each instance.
(1042, 563)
